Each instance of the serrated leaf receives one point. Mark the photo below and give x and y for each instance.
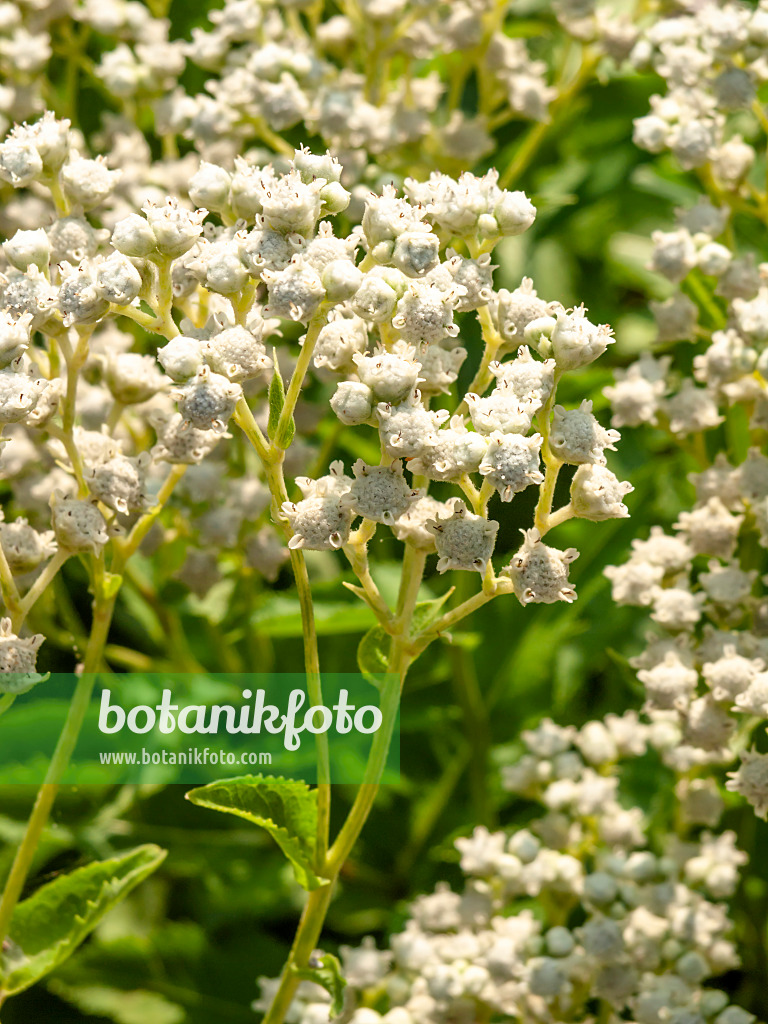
(285, 808)
(48, 926)
(373, 655)
(326, 971)
(426, 612)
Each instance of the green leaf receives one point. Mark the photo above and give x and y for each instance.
(373, 655)
(276, 403)
(48, 927)
(326, 971)
(285, 808)
(281, 617)
(426, 612)
(16, 683)
(135, 1007)
(111, 583)
(214, 605)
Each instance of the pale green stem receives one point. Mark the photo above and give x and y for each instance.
(316, 908)
(561, 516)
(542, 518)
(278, 144)
(469, 489)
(486, 493)
(103, 609)
(165, 324)
(60, 201)
(357, 555)
(304, 944)
(145, 320)
(245, 420)
(242, 302)
(115, 413)
(276, 483)
(74, 359)
(130, 544)
(297, 379)
(492, 343)
(10, 592)
(551, 462)
(501, 585)
(272, 463)
(6, 701)
(37, 588)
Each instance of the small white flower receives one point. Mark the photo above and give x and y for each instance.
(539, 573)
(463, 540)
(379, 493)
(751, 781)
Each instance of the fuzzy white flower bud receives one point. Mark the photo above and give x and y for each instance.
(133, 236)
(181, 357)
(379, 493)
(353, 402)
(539, 573)
(28, 248)
(511, 463)
(118, 280)
(208, 400)
(175, 229)
(464, 540)
(78, 525)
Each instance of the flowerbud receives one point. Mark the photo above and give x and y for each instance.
(88, 182)
(334, 198)
(464, 540)
(133, 236)
(181, 358)
(20, 162)
(14, 337)
(28, 248)
(352, 403)
(341, 279)
(175, 229)
(514, 213)
(209, 187)
(118, 280)
(78, 525)
(597, 494)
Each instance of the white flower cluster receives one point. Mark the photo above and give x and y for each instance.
(393, 336)
(703, 669)
(636, 932)
(94, 415)
(333, 81)
(712, 58)
(352, 78)
(25, 50)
